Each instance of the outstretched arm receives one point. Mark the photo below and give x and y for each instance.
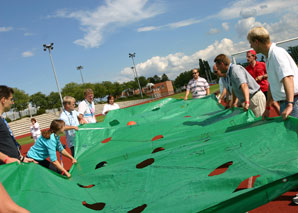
(186, 95)
(57, 164)
(6, 159)
(288, 83)
(7, 204)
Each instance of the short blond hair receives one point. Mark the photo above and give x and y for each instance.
(222, 58)
(88, 91)
(68, 100)
(260, 34)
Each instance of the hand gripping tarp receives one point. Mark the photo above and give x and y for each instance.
(165, 162)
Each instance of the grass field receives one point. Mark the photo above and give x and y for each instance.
(100, 118)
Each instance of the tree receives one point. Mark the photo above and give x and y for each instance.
(73, 89)
(99, 90)
(130, 85)
(151, 80)
(21, 99)
(202, 70)
(109, 87)
(143, 81)
(39, 100)
(118, 88)
(156, 79)
(208, 69)
(164, 78)
(53, 100)
(182, 79)
(293, 51)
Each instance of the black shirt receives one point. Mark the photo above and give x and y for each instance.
(7, 143)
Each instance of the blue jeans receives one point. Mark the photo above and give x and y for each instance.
(283, 105)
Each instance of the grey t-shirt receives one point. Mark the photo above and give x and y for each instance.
(238, 75)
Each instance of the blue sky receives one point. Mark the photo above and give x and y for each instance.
(168, 36)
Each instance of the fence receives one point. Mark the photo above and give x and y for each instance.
(16, 115)
(291, 45)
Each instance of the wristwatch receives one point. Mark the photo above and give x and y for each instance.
(290, 102)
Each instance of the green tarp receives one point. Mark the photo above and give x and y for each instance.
(163, 162)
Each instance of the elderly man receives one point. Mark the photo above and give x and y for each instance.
(87, 108)
(9, 148)
(245, 88)
(198, 86)
(282, 73)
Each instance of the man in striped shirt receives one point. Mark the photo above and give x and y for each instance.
(198, 86)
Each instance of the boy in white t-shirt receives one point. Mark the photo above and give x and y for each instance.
(86, 108)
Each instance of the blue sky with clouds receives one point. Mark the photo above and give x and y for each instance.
(168, 36)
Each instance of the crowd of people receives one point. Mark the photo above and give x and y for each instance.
(257, 87)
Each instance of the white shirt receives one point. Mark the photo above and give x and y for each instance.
(109, 107)
(87, 110)
(35, 131)
(70, 119)
(221, 85)
(280, 64)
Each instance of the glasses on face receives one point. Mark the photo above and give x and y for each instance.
(195, 73)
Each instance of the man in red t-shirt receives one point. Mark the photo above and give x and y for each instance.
(257, 70)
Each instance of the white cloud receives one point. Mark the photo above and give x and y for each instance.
(110, 16)
(183, 23)
(5, 29)
(174, 25)
(285, 28)
(246, 13)
(244, 25)
(145, 29)
(225, 26)
(174, 64)
(213, 31)
(27, 54)
(250, 8)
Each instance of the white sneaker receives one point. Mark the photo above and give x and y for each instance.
(295, 199)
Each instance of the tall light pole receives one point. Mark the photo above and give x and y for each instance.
(132, 55)
(133, 71)
(80, 68)
(50, 47)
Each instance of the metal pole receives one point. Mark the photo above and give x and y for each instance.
(132, 56)
(80, 68)
(82, 77)
(49, 47)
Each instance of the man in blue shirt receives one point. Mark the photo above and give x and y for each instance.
(244, 86)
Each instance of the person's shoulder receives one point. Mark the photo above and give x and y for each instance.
(248, 67)
(82, 103)
(63, 115)
(191, 81)
(76, 113)
(261, 63)
(53, 137)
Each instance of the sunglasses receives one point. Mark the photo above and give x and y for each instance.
(195, 73)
